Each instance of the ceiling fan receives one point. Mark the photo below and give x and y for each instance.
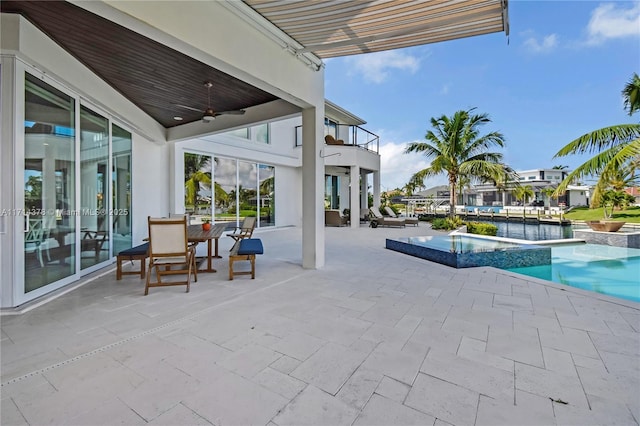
(209, 114)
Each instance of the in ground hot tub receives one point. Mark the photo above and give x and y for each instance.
(464, 251)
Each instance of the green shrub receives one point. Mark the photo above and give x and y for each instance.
(446, 223)
(481, 228)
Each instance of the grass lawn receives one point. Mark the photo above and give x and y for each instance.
(630, 215)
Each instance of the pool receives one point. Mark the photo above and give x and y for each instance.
(464, 251)
(614, 271)
(531, 231)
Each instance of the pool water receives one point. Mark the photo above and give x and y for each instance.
(614, 271)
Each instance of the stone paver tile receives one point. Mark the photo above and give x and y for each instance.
(515, 345)
(109, 413)
(251, 338)
(298, 345)
(492, 412)
(444, 400)
(192, 343)
(343, 330)
(314, 407)
(512, 303)
(612, 386)
(617, 344)
(466, 328)
(351, 303)
(78, 395)
(633, 319)
(179, 415)
(249, 360)
(359, 387)
(393, 389)
(381, 411)
(431, 335)
(618, 363)
(365, 346)
(475, 350)
(483, 315)
(591, 363)
(436, 312)
(559, 303)
(330, 367)
(234, 400)
(408, 323)
(538, 321)
(602, 412)
(621, 328)
(550, 384)
(402, 365)
(9, 413)
(560, 361)
(164, 388)
(570, 340)
(285, 364)
(279, 383)
(390, 335)
(480, 378)
(583, 322)
(386, 314)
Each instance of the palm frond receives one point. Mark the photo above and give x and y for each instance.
(601, 139)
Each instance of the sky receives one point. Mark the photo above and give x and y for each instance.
(558, 75)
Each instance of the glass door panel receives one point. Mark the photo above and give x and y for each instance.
(197, 186)
(247, 190)
(266, 205)
(94, 163)
(225, 190)
(49, 185)
(121, 188)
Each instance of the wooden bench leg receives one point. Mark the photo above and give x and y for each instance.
(119, 270)
(253, 266)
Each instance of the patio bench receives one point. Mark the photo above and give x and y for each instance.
(245, 249)
(140, 253)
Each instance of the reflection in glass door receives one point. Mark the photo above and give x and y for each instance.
(121, 188)
(94, 209)
(49, 184)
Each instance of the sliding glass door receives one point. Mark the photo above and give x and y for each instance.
(49, 185)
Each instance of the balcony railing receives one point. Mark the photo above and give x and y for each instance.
(352, 135)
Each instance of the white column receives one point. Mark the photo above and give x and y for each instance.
(312, 188)
(364, 199)
(354, 201)
(376, 189)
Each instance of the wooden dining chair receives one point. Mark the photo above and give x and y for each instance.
(245, 230)
(169, 252)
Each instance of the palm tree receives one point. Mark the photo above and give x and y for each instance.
(457, 149)
(501, 178)
(616, 147)
(195, 176)
(523, 193)
(549, 191)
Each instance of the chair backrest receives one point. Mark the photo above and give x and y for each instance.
(375, 212)
(390, 211)
(247, 226)
(36, 232)
(168, 237)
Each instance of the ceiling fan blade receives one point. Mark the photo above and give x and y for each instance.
(188, 107)
(232, 112)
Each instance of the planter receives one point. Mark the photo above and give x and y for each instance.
(206, 226)
(605, 225)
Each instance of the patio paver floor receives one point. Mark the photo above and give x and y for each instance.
(374, 337)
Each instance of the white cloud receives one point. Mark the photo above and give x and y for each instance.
(444, 90)
(608, 21)
(547, 44)
(396, 167)
(375, 67)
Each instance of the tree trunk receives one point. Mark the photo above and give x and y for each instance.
(452, 197)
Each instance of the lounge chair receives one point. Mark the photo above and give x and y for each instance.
(334, 218)
(377, 219)
(407, 220)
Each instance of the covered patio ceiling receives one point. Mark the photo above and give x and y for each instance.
(166, 83)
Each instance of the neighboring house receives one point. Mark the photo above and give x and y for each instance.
(102, 99)
(635, 192)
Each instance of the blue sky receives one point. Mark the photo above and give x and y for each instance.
(557, 76)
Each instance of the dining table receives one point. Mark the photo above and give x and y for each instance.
(195, 234)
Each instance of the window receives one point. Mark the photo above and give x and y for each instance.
(241, 133)
(260, 133)
(330, 128)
